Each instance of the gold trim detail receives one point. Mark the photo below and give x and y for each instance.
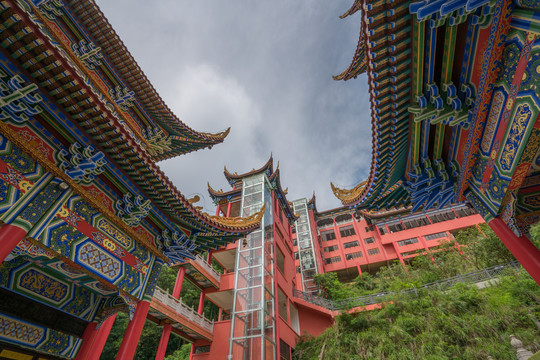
(347, 196)
(249, 221)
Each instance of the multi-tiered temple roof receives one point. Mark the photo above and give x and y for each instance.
(235, 180)
(92, 92)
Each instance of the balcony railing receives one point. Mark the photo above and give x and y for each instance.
(182, 309)
(205, 265)
(469, 278)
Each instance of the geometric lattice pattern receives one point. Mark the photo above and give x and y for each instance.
(20, 332)
(99, 261)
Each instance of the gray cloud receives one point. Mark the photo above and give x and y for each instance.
(264, 69)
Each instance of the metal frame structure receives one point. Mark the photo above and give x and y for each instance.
(253, 325)
(306, 253)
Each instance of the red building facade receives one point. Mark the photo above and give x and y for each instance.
(266, 272)
(350, 243)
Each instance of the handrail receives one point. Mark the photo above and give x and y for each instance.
(370, 299)
(177, 305)
(208, 267)
(201, 261)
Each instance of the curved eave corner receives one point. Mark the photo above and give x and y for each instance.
(218, 195)
(235, 178)
(349, 197)
(357, 5)
(282, 196)
(239, 225)
(359, 62)
(180, 144)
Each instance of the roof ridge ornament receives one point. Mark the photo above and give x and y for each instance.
(357, 5)
(359, 62)
(253, 219)
(348, 195)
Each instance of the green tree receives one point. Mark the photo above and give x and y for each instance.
(463, 322)
(332, 287)
(535, 234)
(483, 246)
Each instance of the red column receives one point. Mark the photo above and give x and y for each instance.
(164, 341)
(166, 333)
(133, 332)
(94, 353)
(200, 310)
(178, 283)
(521, 247)
(10, 236)
(88, 339)
(228, 210)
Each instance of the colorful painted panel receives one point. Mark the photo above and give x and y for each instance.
(42, 285)
(519, 130)
(49, 287)
(36, 337)
(98, 261)
(20, 332)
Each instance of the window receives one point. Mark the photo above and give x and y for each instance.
(407, 242)
(298, 269)
(202, 349)
(284, 350)
(334, 259)
(414, 252)
(295, 242)
(369, 240)
(331, 248)
(395, 227)
(282, 301)
(353, 255)
(343, 218)
(382, 229)
(325, 223)
(328, 235)
(436, 236)
(280, 260)
(350, 244)
(463, 212)
(295, 255)
(347, 231)
(373, 251)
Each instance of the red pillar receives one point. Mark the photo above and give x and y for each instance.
(164, 341)
(94, 353)
(88, 339)
(10, 236)
(178, 283)
(166, 333)
(228, 210)
(200, 310)
(521, 247)
(359, 269)
(133, 332)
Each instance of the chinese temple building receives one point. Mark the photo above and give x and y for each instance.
(455, 105)
(266, 293)
(87, 218)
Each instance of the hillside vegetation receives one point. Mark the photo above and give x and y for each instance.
(461, 323)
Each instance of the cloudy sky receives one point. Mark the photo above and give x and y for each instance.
(263, 68)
